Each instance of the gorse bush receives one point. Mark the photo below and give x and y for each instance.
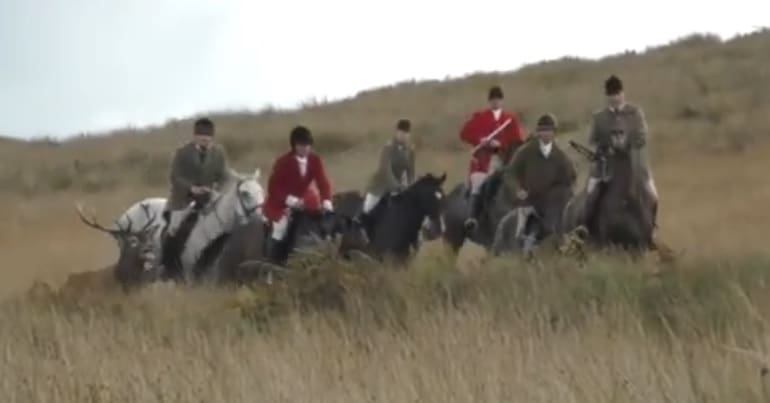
(702, 298)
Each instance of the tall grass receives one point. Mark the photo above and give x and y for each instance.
(480, 329)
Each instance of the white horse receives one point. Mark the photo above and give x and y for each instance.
(240, 200)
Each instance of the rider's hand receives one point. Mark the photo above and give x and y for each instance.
(293, 201)
(522, 194)
(327, 205)
(494, 143)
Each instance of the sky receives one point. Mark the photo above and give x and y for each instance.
(74, 66)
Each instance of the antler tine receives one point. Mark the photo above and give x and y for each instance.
(92, 222)
(150, 219)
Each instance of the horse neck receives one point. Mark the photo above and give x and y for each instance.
(415, 212)
(222, 217)
(623, 180)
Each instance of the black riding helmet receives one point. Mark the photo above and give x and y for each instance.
(300, 135)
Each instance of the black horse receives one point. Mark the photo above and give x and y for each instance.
(496, 203)
(622, 211)
(394, 226)
(241, 257)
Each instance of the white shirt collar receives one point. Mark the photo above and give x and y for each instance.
(545, 149)
(302, 164)
(496, 113)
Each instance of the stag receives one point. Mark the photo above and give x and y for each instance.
(136, 260)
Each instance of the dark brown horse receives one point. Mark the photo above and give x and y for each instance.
(620, 212)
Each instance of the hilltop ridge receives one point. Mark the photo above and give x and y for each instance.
(699, 93)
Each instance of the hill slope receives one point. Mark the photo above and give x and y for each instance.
(699, 93)
(706, 104)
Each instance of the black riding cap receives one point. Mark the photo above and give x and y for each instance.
(495, 93)
(300, 135)
(547, 122)
(204, 127)
(404, 125)
(613, 86)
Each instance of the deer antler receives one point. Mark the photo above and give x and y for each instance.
(92, 222)
(150, 218)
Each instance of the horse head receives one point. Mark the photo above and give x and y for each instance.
(251, 195)
(427, 195)
(246, 193)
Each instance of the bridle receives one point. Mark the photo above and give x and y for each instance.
(248, 211)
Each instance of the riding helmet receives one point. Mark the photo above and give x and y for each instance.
(404, 125)
(495, 93)
(547, 121)
(300, 135)
(613, 86)
(204, 127)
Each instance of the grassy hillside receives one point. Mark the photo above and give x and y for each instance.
(480, 330)
(700, 95)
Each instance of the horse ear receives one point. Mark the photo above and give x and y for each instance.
(442, 178)
(257, 173)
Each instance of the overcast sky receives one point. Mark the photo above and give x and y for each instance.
(69, 66)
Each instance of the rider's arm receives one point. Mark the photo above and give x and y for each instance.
(221, 174)
(514, 171)
(469, 133)
(513, 134)
(570, 173)
(178, 171)
(274, 184)
(638, 135)
(593, 131)
(322, 181)
(386, 169)
(410, 168)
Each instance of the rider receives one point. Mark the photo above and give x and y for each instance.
(396, 168)
(539, 167)
(197, 168)
(629, 118)
(290, 179)
(490, 153)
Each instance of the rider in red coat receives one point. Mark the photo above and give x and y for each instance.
(290, 180)
(490, 152)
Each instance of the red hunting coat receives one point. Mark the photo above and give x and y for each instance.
(482, 124)
(286, 179)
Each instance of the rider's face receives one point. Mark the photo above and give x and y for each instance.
(615, 100)
(401, 136)
(302, 149)
(545, 135)
(202, 141)
(495, 103)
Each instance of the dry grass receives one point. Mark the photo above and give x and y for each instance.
(609, 332)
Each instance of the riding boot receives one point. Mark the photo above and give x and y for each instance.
(169, 262)
(473, 213)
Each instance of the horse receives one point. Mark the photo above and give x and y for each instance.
(137, 252)
(395, 224)
(205, 225)
(249, 244)
(623, 210)
(496, 204)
